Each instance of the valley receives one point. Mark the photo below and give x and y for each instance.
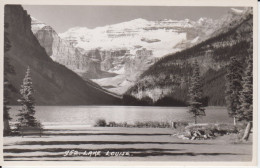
(114, 56)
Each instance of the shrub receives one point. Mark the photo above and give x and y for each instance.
(181, 124)
(111, 124)
(100, 123)
(143, 124)
(151, 124)
(226, 128)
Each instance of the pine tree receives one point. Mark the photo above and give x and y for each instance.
(26, 115)
(246, 97)
(8, 69)
(233, 88)
(195, 94)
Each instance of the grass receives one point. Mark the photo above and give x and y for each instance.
(143, 144)
(184, 128)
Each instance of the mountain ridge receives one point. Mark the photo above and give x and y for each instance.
(54, 84)
(168, 79)
(118, 64)
(122, 51)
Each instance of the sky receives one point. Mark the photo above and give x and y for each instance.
(64, 17)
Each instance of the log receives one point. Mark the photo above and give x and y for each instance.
(247, 131)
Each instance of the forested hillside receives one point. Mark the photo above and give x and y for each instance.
(167, 81)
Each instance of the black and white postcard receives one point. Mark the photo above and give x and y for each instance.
(129, 82)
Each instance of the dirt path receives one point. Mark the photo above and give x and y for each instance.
(142, 144)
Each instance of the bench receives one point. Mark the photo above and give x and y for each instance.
(30, 131)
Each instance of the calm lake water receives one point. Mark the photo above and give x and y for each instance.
(87, 115)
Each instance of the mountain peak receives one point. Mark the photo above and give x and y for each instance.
(34, 20)
(77, 28)
(204, 20)
(236, 11)
(37, 25)
(201, 20)
(140, 20)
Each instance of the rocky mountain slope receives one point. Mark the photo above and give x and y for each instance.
(114, 56)
(166, 82)
(87, 64)
(59, 50)
(54, 83)
(129, 48)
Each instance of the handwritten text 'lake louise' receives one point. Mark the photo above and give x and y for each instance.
(95, 153)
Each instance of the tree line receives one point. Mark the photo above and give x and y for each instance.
(238, 92)
(173, 71)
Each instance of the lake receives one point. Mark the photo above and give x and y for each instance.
(87, 115)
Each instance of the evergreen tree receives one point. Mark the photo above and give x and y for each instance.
(26, 115)
(195, 94)
(246, 97)
(8, 69)
(233, 88)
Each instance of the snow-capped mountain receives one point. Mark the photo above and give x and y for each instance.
(115, 55)
(160, 36)
(141, 43)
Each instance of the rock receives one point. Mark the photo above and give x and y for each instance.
(59, 50)
(188, 133)
(193, 138)
(183, 137)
